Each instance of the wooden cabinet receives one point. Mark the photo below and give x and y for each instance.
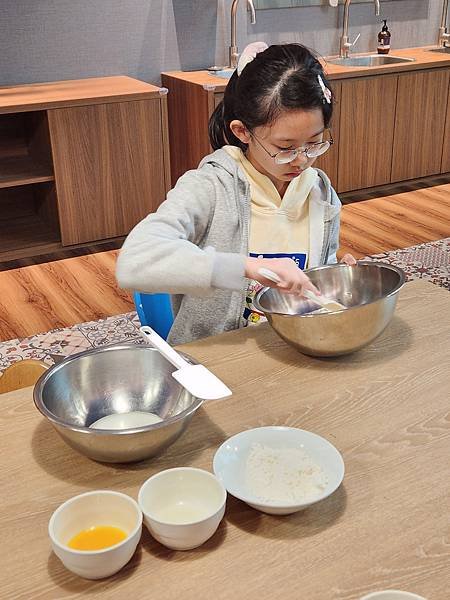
(419, 124)
(445, 165)
(108, 159)
(387, 126)
(192, 99)
(366, 132)
(80, 161)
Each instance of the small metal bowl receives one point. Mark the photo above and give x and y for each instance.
(368, 290)
(115, 379)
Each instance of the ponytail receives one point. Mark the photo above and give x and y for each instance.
(216, 128)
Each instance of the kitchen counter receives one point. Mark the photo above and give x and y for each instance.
(392, 101)
(77, 92)
(423, 60)
(386, 410)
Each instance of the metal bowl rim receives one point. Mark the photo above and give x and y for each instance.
(377, 264)
(39, 403)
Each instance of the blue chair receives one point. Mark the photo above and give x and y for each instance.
(154, 310)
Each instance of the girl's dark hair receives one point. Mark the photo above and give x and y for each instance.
(282, 77)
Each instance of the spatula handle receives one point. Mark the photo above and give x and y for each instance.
(151, 337)
(312, 296)
(268, 274)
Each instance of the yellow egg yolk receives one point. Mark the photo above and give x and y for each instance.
(97, 538)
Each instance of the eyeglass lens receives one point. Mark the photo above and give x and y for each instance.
(287, 156)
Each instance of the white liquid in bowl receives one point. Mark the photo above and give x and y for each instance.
(180, 513)
(126, 420)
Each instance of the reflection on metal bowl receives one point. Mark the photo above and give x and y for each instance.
(115, 379)
(368, 290)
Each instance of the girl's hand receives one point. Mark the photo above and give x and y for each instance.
(293, 280)
(349, 260)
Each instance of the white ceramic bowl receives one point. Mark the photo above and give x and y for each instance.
(230, 466)
(102, 507)
(392, 595)
(182, 507)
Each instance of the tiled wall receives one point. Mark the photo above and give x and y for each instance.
(46, 40)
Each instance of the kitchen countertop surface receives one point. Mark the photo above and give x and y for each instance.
(385, 408)
(74, 92)
(424, 60)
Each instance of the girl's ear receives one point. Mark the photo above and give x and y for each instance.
(240, 131)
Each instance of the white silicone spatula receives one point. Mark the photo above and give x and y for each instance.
(326, 303)
(197, 379)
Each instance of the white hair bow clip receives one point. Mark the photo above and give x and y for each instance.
(249, 54)
(326, 92)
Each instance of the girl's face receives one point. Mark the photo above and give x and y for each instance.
(292, 129)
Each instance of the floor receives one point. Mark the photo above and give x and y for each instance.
(59, 294)
(83, 288)
(396, 221)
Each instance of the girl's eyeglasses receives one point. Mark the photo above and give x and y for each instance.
(310, 150)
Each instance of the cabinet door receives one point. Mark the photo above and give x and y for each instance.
(189, 108)
(445, 167)
(329, 162)
(109, 167)
(419, 131)
(366, 132)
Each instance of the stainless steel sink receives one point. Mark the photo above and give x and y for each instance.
(445, 50)
(373, 60)
(225, 73)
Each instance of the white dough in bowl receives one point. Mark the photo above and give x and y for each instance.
(126, 420)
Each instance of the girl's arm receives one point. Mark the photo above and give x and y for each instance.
(161, 254)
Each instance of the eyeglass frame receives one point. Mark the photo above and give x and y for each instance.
(304, 150)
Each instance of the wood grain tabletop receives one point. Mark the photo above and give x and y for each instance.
(386, 409)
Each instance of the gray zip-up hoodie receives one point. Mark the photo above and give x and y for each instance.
(195, 246)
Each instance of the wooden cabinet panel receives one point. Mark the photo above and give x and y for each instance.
(419, 129)
(445, 167)
(218, 97)
(366, 132)
(329, 161)
(109, 167)
(189, 109)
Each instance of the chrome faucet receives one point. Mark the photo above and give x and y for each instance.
(345, 44)
(233, 51)
(444, 36)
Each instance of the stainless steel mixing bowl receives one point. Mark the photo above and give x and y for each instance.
(115, 379)
(368, 290)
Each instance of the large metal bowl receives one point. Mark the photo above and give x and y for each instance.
(115, 379)
(368, 290)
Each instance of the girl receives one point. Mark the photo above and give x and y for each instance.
(255, 202)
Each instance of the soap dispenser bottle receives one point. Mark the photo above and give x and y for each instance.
(384, 39)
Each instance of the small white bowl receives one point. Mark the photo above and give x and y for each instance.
(182, 507)
(392, 595)
(102, 507)
(230, 465)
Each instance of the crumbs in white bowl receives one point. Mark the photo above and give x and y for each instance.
(285, 475)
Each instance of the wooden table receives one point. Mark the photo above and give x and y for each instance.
(385, 408)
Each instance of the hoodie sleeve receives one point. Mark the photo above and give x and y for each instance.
(334, 229)
(161, 253)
